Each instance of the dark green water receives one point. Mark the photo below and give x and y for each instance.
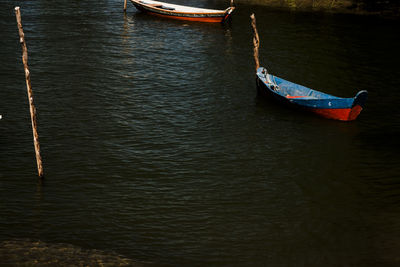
(156, 146)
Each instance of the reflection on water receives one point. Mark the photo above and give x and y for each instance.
(156, 145)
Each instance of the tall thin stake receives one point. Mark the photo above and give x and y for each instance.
(30, 93)
(125, 5)
(256, 40)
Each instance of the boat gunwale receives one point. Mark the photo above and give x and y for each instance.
(325, 96)
(216, 13)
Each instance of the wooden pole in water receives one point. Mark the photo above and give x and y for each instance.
(125, 5)
(256, 40)
(30, 92)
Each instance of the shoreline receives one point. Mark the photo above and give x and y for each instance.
(27, 252)
(356, 7)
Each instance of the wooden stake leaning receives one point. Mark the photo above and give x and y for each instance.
(125, 5)
(30, 92)
(256, 40)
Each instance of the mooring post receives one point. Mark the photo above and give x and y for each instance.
(256, 41)
(125, 5)
(30, 92)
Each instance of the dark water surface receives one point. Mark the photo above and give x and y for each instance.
(156, 146)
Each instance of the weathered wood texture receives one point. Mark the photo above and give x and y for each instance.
(256, 41)
(30, 92)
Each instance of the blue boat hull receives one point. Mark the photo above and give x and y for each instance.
(325, 105)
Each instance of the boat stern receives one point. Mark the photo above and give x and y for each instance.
(358, 104)
(360, 98)
(228, 13)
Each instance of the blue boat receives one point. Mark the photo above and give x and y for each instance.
(325, 105)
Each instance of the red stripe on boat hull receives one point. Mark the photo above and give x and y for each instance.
(343, 114)
(201, 19)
